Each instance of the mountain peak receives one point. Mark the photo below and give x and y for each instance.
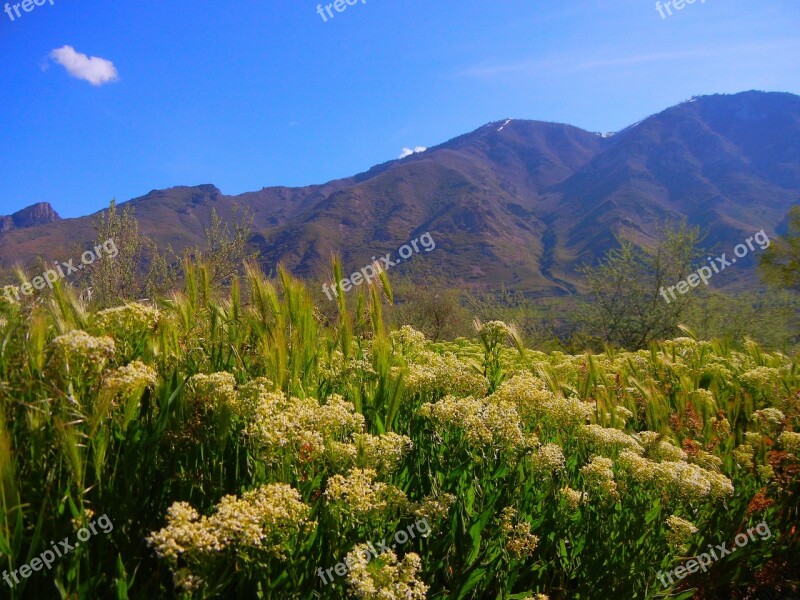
(40, 213)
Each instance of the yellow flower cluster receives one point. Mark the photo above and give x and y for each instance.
(768, 420)
(706, 460)
(300, 424)
(130, 378)
(78, 344)
(381, 452)
(360, 497)
(483, 424)
(717, 371)
(744, 455)
(549, 458)
(407, 341)
(679, 533)
(607, 439)
(493, 332)
(386, 578)
(763, 381)
(599, 477)
(133, 318)
(432, 372)
(335, 370)
(790, 442)
(433, 509)
(573, 498)
(519, 541)
(679, 480)
(658, 448)
(266, 519)
(622, 414)
(534, 401)
(212, 391)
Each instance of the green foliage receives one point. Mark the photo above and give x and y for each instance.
(261, 442)
(626, 308)
(226, 249)
(115, 280)
(780, 263)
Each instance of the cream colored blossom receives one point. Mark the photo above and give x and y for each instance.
(128, 319)
(679, 480)
(519, 541)
(266, 519)
(534, 401)
(768, 420)
(385, 578)
(131, 377)
(77, 344)
(548, 459)
(744, 455)
(573, 498)
(622, 414)
(483, 424)
(659, 448)
(761, 380)
(381, 452)
(434, 508)
(300, 425)
(212, 391)
(706, 460)
(680, 532)
(599, 477)
(790, 442)
(360, 497)
(433, 373)
(608, 440)
(407, 341)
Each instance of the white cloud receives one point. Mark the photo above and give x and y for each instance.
(93, 69)
(409, 151)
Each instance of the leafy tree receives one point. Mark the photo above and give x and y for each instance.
(630, 306)
(128, 275)
(780, 263)
(426, 300)
(115, 279)
(226, 248)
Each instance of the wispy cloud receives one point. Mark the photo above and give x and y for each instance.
(409, 151)
(95, 70)
(579, 63)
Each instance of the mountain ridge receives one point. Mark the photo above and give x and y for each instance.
(515, 202)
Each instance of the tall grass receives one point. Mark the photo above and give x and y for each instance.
(133, 416)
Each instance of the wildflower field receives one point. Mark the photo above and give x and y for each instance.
(242, 445)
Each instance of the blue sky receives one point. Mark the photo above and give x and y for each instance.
(253, 93)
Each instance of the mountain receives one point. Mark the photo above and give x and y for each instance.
(515, 202)
(36, 214)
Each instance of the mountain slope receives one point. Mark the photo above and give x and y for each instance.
(514, 202)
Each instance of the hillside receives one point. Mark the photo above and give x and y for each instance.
(515, 202)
